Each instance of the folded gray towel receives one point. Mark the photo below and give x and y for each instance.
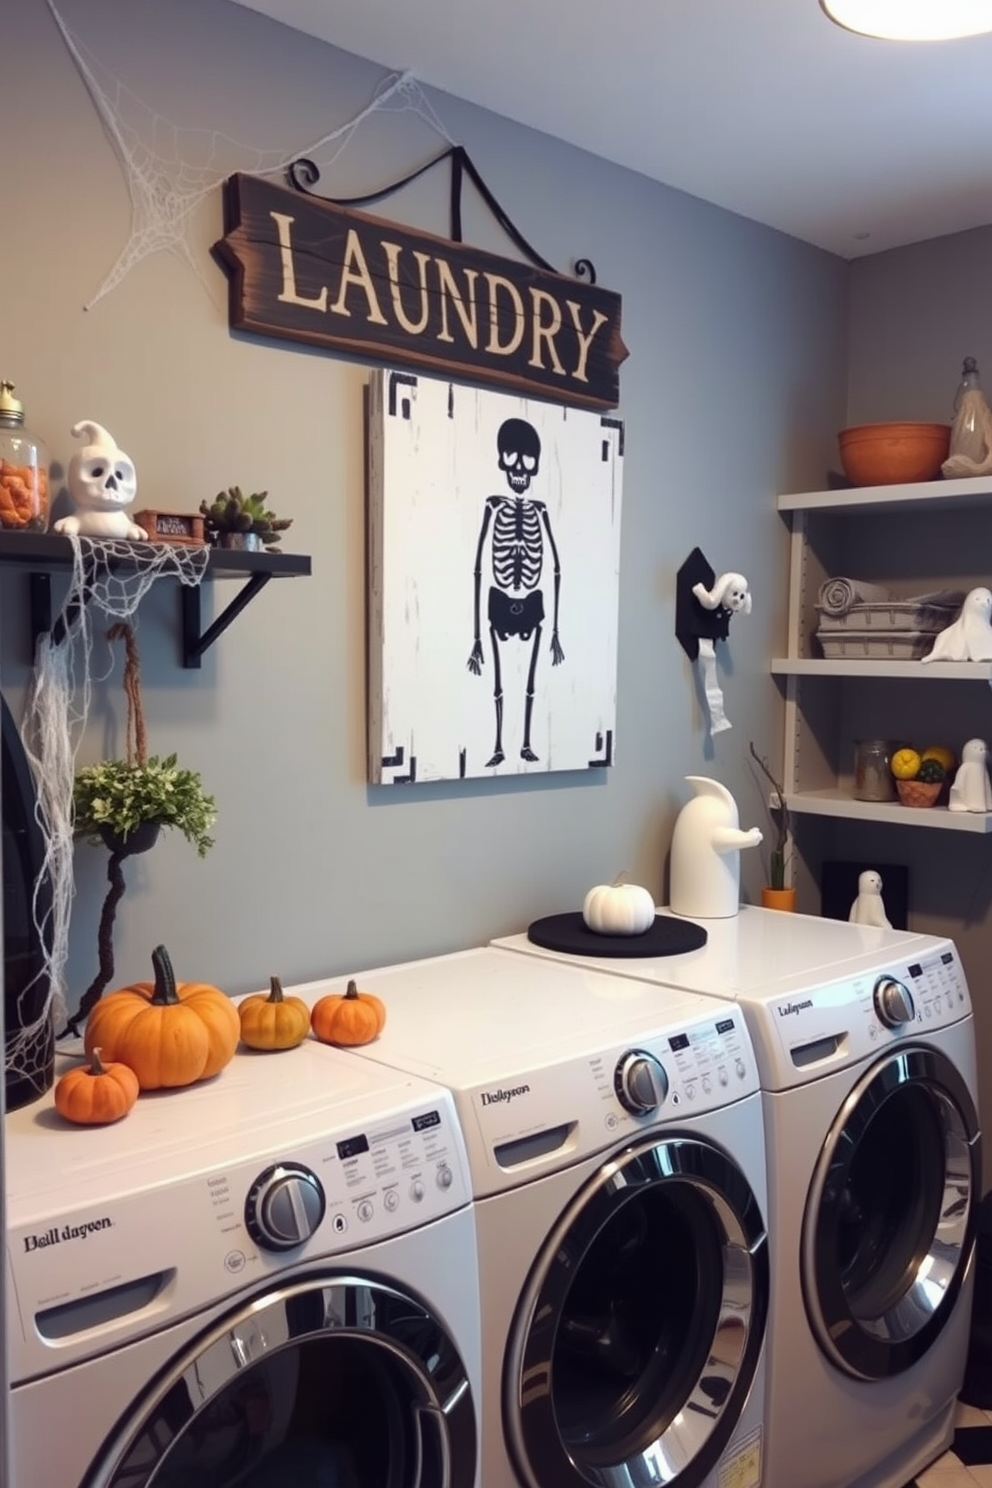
(838, 595)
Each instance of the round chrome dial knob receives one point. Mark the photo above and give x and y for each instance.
(640, 1082)
(284, 1206)
(893, 1002)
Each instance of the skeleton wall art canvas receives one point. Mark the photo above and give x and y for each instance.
(494, 561)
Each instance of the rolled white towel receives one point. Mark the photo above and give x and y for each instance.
(838, 595)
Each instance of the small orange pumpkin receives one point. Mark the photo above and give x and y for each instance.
(274, 1022)
(96, 1094)
(354, 1018)
(170, 1036)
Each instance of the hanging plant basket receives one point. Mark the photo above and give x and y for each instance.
(124, 804)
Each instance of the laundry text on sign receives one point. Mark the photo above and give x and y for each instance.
(304, 269)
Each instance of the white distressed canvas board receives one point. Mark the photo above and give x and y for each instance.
(438, 485)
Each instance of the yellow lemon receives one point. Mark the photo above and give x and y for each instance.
(905, 764)
(940, 752)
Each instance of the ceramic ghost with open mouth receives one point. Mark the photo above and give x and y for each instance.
(102, 482)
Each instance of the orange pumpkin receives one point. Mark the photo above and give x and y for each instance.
(170, 1036)
(96, 1094)
(354, 1018)
(274, 1022)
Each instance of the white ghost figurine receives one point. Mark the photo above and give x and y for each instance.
(970, 789)
(869, 908)
(706, 852)
(969, 637)
(102, 482)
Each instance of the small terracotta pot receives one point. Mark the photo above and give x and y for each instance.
(778, 899)
(919, 792)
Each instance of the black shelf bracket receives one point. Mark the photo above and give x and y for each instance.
(43, 554)
(40, 604)
(196, 641)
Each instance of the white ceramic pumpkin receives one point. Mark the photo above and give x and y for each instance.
(618, 909)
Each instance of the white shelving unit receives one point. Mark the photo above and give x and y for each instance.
(821, 694)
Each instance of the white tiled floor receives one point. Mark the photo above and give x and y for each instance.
(949, 1471)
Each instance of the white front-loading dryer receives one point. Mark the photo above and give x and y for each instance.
(866, 1050)
(267, 1280)
(617, 1157)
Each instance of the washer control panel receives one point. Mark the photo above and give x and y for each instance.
(542, 1117)
(840, 1022)
(95, 1275)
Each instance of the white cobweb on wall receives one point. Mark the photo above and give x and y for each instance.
(171, 169)
(109, 581)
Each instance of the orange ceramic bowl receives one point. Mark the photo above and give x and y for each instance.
(890, 454)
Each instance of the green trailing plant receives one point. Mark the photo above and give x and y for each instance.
(779, 854)
(117, 797)
(232, 511)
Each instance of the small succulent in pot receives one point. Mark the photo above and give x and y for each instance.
(233, 520)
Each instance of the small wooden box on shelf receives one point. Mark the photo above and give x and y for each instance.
(182, 529)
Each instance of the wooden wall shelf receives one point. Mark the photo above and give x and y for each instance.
(45, 553)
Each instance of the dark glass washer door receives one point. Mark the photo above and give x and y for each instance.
(890, 1214)
(332, 1382)
(638, 1335)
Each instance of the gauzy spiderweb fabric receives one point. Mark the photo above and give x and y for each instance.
(109, 580)
(171, 169)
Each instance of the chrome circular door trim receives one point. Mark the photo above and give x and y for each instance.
(319, 1305)
(876, 1340)
(685, 1444)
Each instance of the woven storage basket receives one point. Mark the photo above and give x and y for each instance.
(918, 792)
(884, 645)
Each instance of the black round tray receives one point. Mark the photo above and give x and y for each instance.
(570, 934)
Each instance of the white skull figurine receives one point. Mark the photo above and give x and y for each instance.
(102, 482)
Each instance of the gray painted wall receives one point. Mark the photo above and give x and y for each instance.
(733, 390)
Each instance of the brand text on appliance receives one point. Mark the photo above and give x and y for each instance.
(55, 1236)
(494, 1097)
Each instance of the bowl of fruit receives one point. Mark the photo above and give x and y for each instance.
(921, 774)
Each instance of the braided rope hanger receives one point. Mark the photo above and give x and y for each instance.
(136, 738)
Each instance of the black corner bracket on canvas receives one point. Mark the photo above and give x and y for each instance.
(303, 174)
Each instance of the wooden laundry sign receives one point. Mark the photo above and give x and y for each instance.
(305, 269)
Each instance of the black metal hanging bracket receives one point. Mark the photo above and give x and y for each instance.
(303, 175)
(194, 640)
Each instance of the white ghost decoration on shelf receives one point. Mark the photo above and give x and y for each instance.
(970, 789)
(869, 907)
(102, 481)
(969, 637)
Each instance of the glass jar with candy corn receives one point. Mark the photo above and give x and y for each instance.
(23, 469)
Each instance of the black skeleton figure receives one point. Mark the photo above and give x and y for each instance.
(518, 525)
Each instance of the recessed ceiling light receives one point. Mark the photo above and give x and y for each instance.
(912, 20)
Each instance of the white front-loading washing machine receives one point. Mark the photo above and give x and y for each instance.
(866, 1048)
(617, 1158)
(266, 1281)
